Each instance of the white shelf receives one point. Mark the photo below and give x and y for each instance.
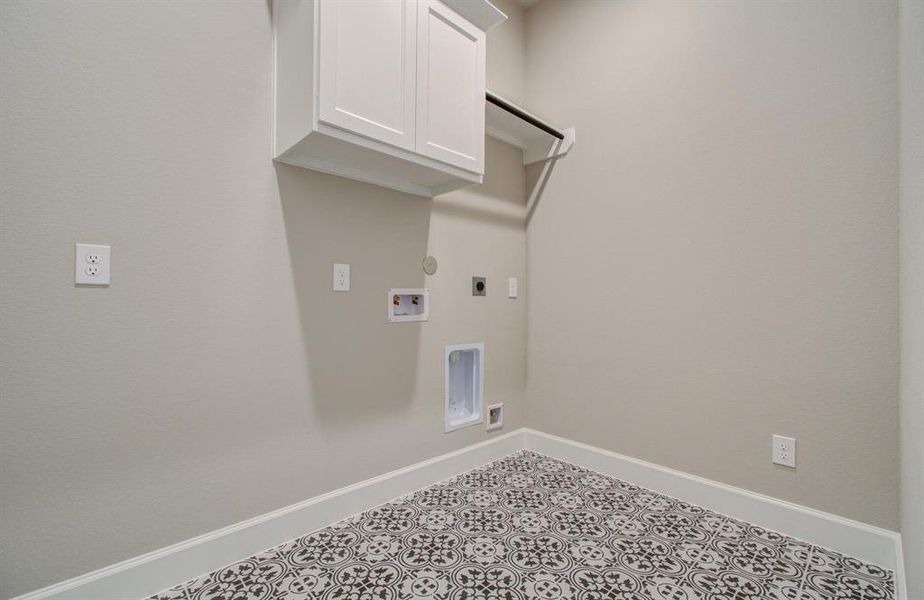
(537, 145)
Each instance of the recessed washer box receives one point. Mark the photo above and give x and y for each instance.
(408, 304)
(464, 375)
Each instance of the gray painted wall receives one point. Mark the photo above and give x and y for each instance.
(218, 378)
(912, 291)
(717, 259)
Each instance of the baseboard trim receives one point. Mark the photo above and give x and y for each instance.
(871, 544)
(150, 573)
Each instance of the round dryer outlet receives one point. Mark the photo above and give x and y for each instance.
(479, 286)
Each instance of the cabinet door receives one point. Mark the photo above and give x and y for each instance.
(450, 87)
(367, 68)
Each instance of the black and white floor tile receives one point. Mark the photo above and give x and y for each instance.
(531, 527)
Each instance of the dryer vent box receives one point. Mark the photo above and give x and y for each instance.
(464, 374)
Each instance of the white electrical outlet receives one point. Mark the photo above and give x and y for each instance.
(91, 265)
(784, 451)
(511, 287)
(341, 277)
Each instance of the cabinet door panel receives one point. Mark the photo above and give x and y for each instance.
(450, 87)
(367, 68)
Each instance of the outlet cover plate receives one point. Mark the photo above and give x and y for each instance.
(479, 286)
(91, 264)
(341, 277)
(784, 451)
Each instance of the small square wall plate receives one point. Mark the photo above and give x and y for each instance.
(479, 286)
(495, 418)
(91, 265)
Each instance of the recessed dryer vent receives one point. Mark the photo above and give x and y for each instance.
(464, 368)
(408, 304)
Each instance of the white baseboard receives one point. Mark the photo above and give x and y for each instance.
(866, 542)
(161, 569)
(150, 573)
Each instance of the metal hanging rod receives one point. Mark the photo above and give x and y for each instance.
(522, 114)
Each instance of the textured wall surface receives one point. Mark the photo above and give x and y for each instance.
(218, 378)
(912, 291)
(717, 259)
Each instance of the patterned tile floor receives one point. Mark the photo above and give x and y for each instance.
(528, 526)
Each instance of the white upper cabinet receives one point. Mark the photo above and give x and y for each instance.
(389, 92)
(367, 83)
(450, 86)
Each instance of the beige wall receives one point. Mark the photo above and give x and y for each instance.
(507, 75)
(218, 378)
(912, 291)
(716, 260)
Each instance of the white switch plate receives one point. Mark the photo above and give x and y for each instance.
(511, 287)
(784, 451)
(91, 265)
(341, 277)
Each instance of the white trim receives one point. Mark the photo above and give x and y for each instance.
(153, 572)
(343, 170)
(420, 159)
(901, 577)
(161, 569)
(866, 542)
